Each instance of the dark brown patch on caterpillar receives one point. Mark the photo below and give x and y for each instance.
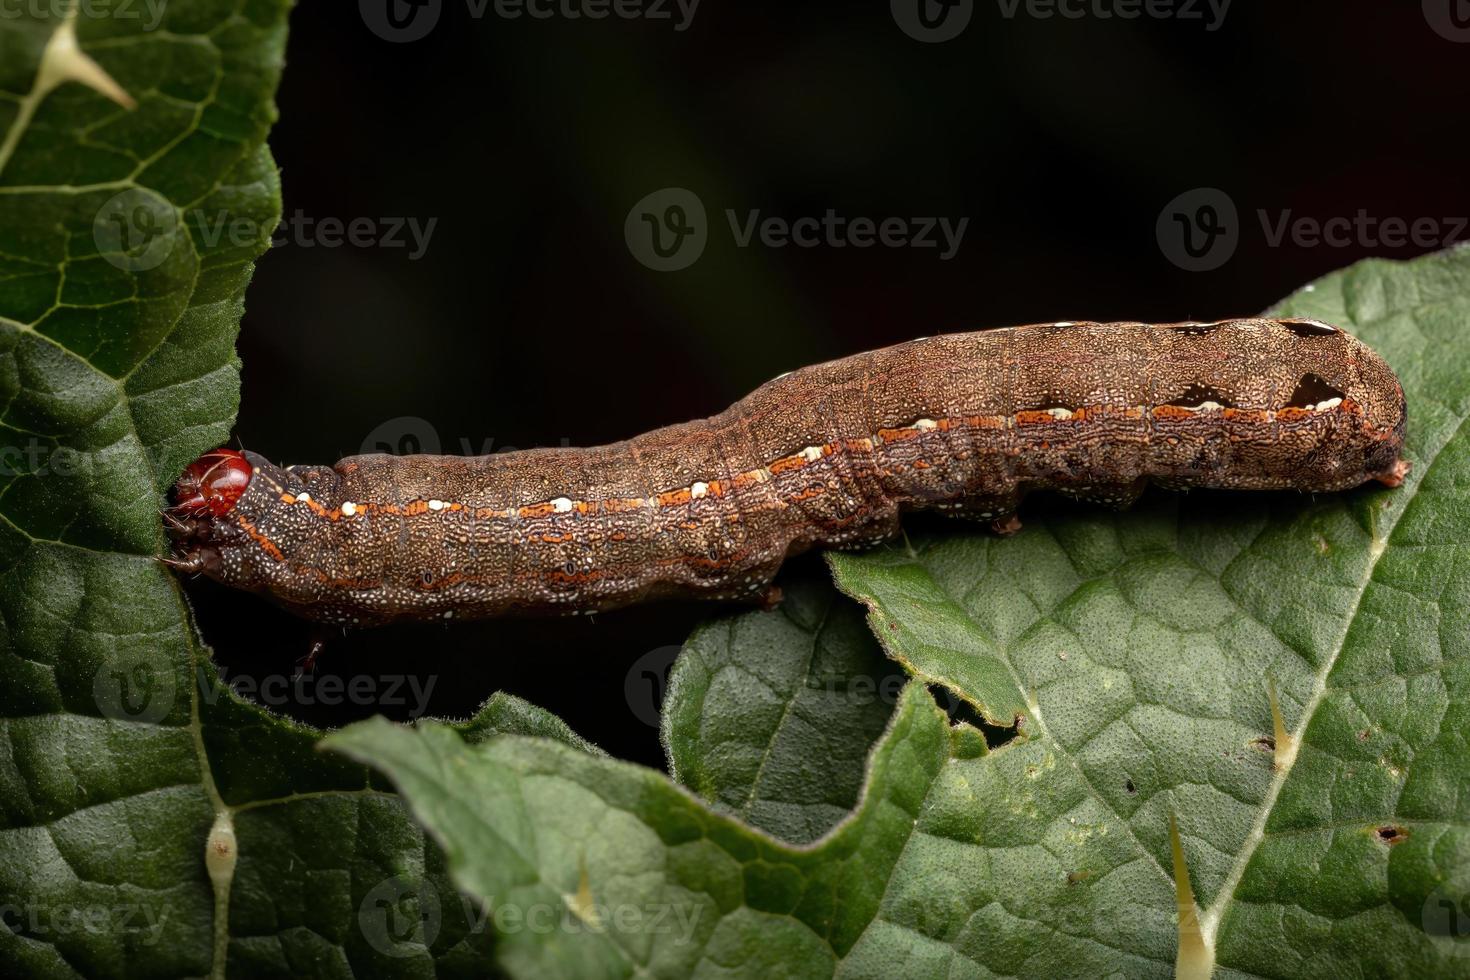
(827, 456)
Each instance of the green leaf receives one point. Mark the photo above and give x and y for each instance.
(1143, 644)
(126, 241)
(1139, 650)
(770, 715)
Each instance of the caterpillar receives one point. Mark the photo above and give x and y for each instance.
(827, 456)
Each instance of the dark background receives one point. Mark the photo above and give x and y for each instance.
(528, 321)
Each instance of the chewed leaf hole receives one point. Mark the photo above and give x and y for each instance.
(1265, 744)
(1392, 833)
(1197, 395)
(962, 712)
(1311, 390)
(1129, 788)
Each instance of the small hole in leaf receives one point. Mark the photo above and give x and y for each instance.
(1265, 743)
(1129, 788)
(1392, 833)
(961, 711)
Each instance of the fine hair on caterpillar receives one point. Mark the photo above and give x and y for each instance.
(827, 456)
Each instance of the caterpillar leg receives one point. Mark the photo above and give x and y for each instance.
(307, 664)
(1007, 525)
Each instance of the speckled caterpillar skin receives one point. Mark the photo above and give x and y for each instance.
(825, 456)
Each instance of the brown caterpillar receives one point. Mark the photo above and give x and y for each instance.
(825, 456)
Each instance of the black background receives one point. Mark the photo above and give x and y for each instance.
(528, 322)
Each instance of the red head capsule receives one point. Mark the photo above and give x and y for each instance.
(212, 483)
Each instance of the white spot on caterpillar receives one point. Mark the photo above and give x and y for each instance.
(1208, 407)
(698, 490)
(561, 505)
(348, 508)
(437, 505)
(926, 425)
(303, 497)
(449, 614)
(1065, 323)
(1328, 405)
(1059, 413)
(811, 453)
